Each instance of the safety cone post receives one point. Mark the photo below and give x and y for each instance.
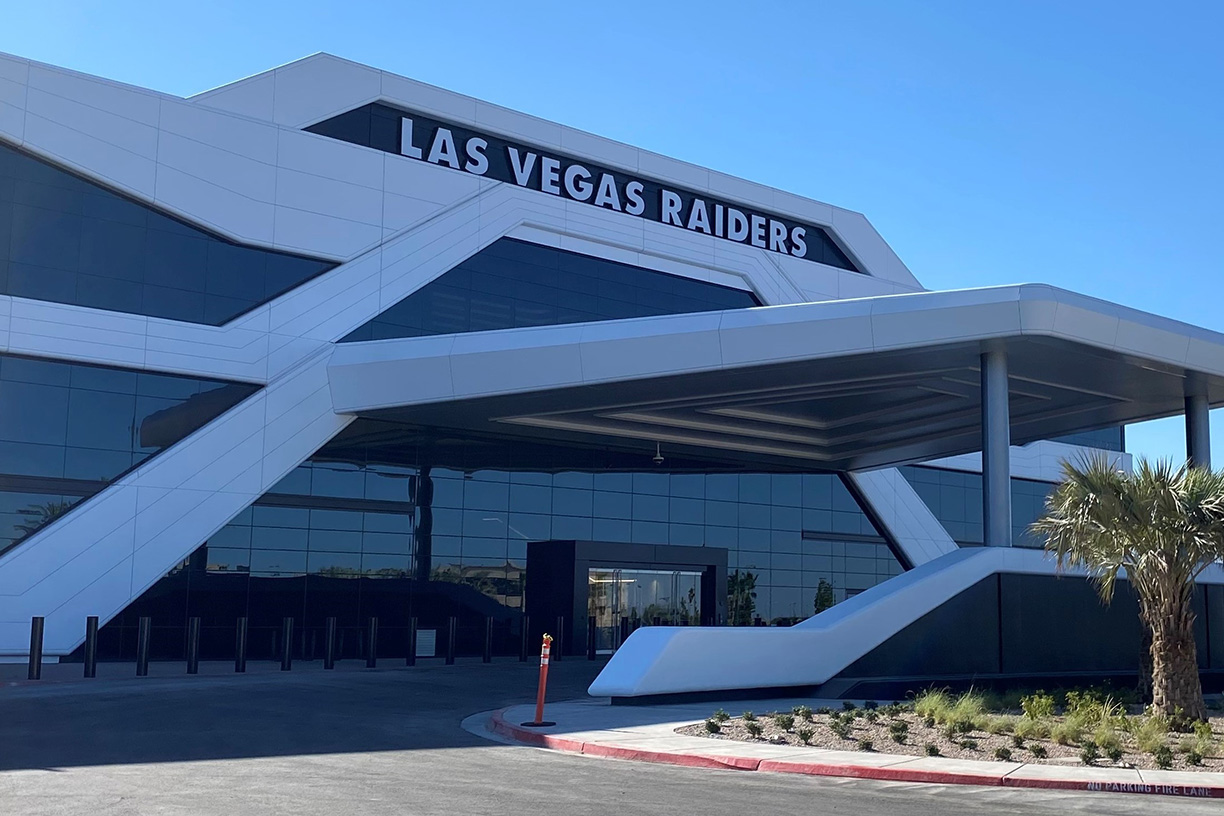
(539, 721)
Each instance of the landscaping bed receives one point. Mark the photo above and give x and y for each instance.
(1072, 728)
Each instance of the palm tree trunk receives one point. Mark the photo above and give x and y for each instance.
(1175, 673)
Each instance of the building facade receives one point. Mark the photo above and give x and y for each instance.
(327, 343)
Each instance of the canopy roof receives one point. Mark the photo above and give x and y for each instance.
(841, 385)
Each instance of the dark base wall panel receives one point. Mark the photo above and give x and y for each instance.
(1032, 626)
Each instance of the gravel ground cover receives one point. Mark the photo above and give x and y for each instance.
(1092, 732)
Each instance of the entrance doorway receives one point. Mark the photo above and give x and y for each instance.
(607, 589)
(640, 597)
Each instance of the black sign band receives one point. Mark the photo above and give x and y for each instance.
(460, 148)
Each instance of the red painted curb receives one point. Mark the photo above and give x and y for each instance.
(874, 772)
(498, 725)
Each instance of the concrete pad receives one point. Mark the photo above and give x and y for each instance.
(1076, 773)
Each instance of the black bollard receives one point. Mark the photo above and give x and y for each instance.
(452, 624)
(142, 647)
(36, 644)
(558, 649)
(240, 643)
(591, 637)
(287, 644)
(525, 645)
(91, 646)
(372, 643)
(412, 642)
(624, 631)
(488, 641)
(193, 645)
(329, 644)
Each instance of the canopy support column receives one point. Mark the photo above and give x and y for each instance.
(1198, 431)
(996, 450)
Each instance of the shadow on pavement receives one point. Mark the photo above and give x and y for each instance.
(181, 719)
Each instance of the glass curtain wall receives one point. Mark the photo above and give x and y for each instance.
(381, 525)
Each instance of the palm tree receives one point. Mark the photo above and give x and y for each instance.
(1161, 525)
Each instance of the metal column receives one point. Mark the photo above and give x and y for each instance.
(1198, 431)
(996, 450)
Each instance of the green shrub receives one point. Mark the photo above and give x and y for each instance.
(899, 731)
(805, 735)
(1003, 754)
(933, 704)
(1037, 706)
(969, 706)
(784, 721)
(864, 744)
(871, 715)
(1163, 756)
(870, 705)
(748, 717)
(1114, 753)
(802, 712)
(1202, 730)
(929, 722)
(1038, 751)
(1150, 732)
(754, 728)
(1028, 728)
(969, 744)
(1093, 709)
(958, 725)
(848, 706)
(1194, 758)
(1017, 741)
(712, 726)
(931, 749)
(1089, 753)
(824, 711)
(998, 725)
(840, 728)
(1067, 732)
(720, 716)
(1106, 738)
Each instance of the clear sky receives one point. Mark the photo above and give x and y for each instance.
(1075, 143)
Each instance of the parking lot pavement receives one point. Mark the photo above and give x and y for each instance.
(389, 741)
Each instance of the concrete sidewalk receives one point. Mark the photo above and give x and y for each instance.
(647, 734)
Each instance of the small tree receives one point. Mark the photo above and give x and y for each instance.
(824, 596)
(1163, 526)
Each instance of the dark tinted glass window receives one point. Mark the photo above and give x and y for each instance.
(955, 498)
(511, 284)
(380, 522)
(68, 429)
(68, 240)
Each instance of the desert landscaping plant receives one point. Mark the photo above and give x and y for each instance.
(1085, 725)
(1161, 525)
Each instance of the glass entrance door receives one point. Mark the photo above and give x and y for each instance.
(642, 597)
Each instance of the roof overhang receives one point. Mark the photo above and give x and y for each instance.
(842, 385)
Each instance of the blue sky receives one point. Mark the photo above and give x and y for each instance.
(1072, 143)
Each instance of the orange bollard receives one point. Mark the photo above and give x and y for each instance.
(539, 720)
